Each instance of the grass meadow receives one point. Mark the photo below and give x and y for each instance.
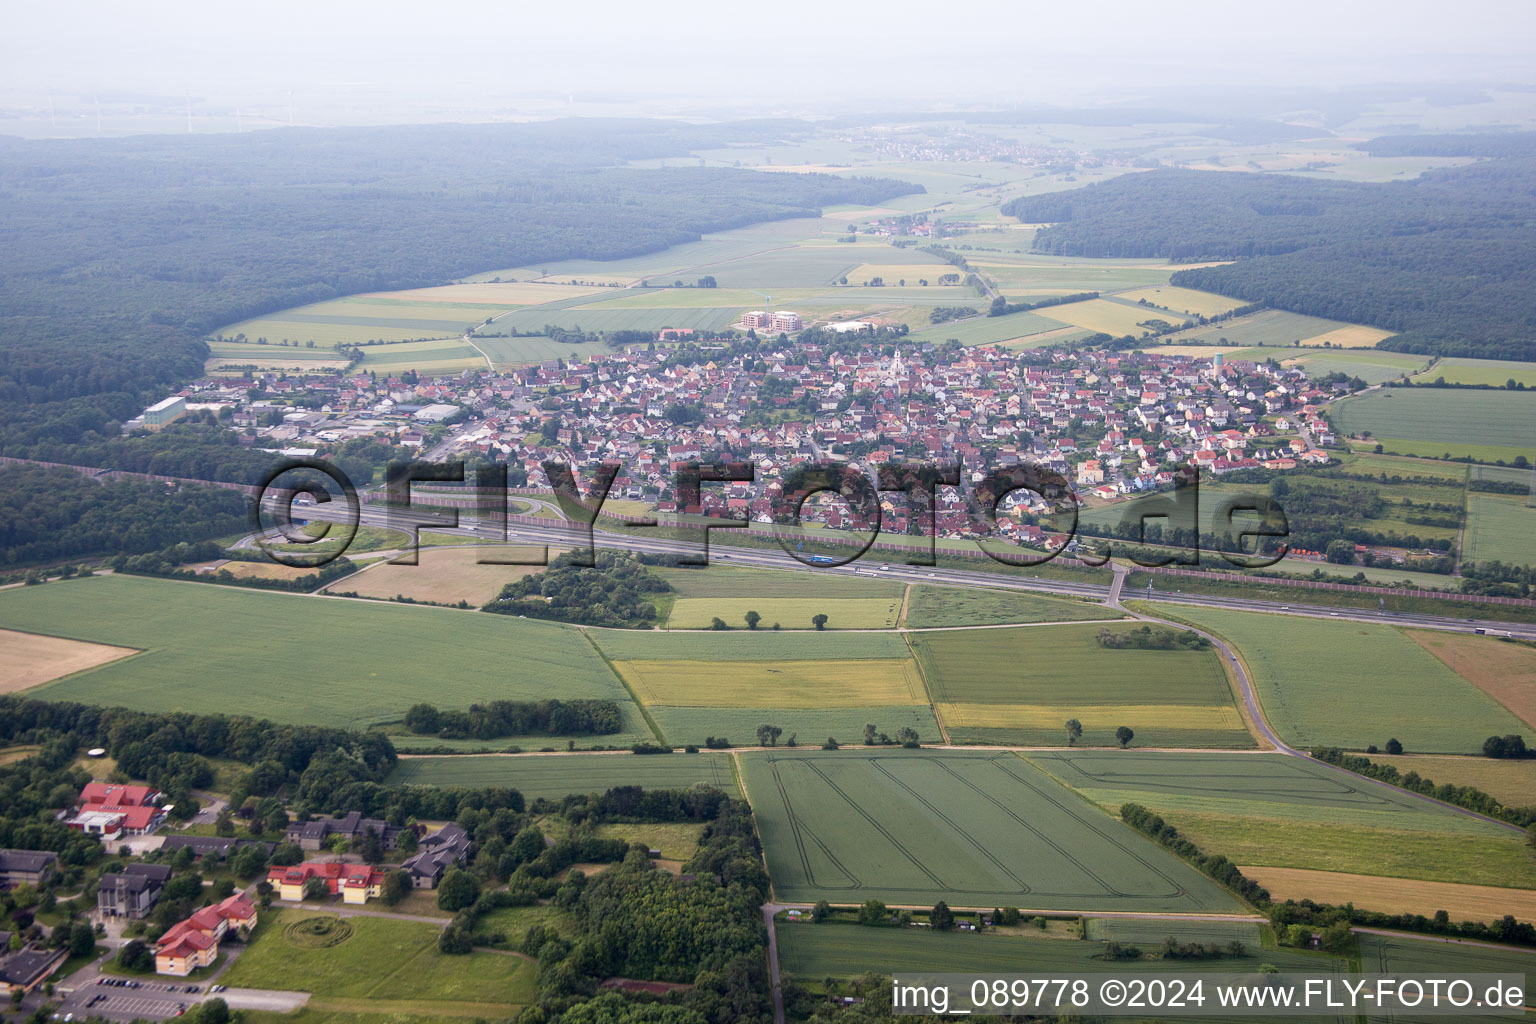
(1350, 684)
(982, 829)
(557, 775)
(381, 960)
(1021, 685)
(208, 648)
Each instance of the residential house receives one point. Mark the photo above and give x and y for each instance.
(131, 892)
(26, 867)
(438, 852)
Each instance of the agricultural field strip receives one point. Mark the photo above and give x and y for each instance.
(1260, 784)
(941, 822)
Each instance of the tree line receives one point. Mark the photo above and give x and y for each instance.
(498, 718)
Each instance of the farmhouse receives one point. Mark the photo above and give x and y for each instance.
(311, 835)
(26, 867)
(439, 851)
(357, 883)
(132, 892)
(112, 811)
(28, 967)
(194, 943)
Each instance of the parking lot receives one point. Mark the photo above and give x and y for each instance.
(124, 999)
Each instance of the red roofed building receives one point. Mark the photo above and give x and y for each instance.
(357, 883)
(194, 943)
(112, 811)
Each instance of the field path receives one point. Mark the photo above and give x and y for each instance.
(769, 910)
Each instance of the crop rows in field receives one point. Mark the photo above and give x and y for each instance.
(224, 650)
(1021, 685)
(973, 829)
(1281, 811)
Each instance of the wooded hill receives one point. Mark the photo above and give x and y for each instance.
(117, 255)
(1447, 260)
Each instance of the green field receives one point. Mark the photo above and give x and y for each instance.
(912, 827)
(741, 645)
(521, 351)
(1270, 328)
(1282, 811)
(1490, 372)
(554, 776)
(810, 725)
(790, 612)
(811, 952)
(1484, 425)
(1150, 932)
(1020, 685)
(1370, 365)
(930, 607)
(988, 330)
(1402, 954)
(1500, 526)
(270, 655)
(379, 960)
(448, 355)
(731, 581)
(1349, 684)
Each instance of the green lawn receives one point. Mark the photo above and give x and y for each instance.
(957, 606)
(555, 776)
(295, 658)
(1348, 684)
(381, 959)
(975, 829)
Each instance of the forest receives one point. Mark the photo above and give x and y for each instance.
(117, 256)
(1448, 260)
(50, 513)
(614, 592)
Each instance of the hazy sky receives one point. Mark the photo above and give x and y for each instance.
(378, 56)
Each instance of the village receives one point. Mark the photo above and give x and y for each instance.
(1116, 424)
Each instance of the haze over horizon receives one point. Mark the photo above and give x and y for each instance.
(201, 68)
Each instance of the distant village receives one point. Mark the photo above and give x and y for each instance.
(1115, 423)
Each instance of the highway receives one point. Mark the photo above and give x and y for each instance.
(638, 540)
